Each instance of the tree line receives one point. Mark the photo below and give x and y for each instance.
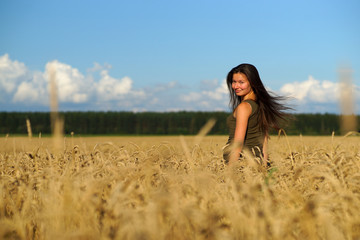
(154, 123)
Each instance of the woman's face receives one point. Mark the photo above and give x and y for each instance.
(240, 84)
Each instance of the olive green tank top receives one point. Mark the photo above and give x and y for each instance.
(254, 137)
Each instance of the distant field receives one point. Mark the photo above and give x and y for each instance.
(88, 143)
(177, 188)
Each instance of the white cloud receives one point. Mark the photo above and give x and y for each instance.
(209, 84)
(218, 93)
(314, 95)
(98, 67)
(212, 99)
(164, 87)
(11, 73)
(33, 90)
(110, 88)
(71, 84)
(192, 97)
(312, 90)
(316, 91)
(155, 100)
(101, 91)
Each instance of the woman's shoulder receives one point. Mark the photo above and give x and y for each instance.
(254, 105)
(243, 108)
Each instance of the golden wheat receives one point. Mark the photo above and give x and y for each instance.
(178, 188)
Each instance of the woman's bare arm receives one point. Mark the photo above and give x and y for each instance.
(242, 114)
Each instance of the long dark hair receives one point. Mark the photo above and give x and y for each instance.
(272, 111)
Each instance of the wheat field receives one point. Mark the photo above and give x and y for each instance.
(176, 187)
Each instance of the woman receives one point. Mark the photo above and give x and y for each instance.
(254, 112)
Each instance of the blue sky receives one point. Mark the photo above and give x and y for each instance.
(174, 55)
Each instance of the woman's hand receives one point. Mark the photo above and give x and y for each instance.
(235, 153)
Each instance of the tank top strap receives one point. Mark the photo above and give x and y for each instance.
(253, 104)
